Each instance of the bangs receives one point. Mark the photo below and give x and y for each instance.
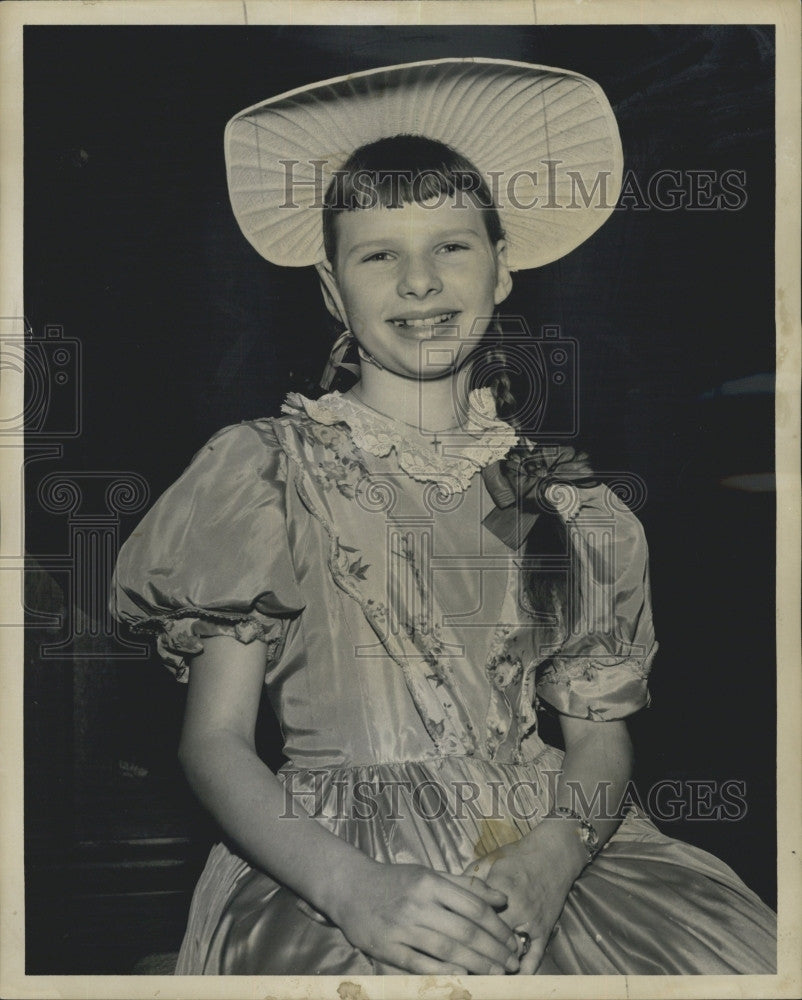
(401, 170)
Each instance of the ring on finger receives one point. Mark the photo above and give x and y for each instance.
(524, 943)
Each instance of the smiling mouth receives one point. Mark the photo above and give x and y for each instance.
(423, 322)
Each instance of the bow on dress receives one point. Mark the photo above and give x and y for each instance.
(520, 486)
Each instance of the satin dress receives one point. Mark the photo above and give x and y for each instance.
(406, 666)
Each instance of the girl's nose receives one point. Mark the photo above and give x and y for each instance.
(419, 277)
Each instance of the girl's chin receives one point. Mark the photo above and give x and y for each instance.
(412, 365)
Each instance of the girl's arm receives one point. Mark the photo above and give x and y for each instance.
(405, 915)
(597, 766)
(538, 871)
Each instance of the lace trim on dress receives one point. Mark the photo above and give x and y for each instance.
(484, 439)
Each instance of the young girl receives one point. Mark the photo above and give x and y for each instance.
(375, 557)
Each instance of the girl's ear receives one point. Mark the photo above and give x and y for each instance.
(504, 279)
(331, 291)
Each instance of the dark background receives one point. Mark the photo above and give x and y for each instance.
(131, 248)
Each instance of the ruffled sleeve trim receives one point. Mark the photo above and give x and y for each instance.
(179, 636)
(212, 555)
(601, 688)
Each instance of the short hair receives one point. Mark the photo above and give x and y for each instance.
(399, 170)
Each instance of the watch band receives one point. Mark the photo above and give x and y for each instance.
(587, 831)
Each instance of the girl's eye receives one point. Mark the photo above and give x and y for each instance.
(379, 256)
(452, 247)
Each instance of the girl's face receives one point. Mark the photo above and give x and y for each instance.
(416, 285)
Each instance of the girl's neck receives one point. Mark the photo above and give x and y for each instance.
(426, 405)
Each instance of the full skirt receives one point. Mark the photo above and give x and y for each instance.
(647, 905)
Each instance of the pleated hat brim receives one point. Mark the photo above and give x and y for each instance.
(546, 139)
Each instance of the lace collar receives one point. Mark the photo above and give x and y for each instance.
(453, 461)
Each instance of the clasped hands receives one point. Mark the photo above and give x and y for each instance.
(428, 922)
(535, 874)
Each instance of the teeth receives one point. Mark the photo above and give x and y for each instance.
(418, 323)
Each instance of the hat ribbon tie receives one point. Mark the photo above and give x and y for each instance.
(338, 351)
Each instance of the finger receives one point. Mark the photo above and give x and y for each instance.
(478, 887)
(420, 964)
(470, 906)
(515, 915)
(455, 952)
(475, 937)
(532, 959)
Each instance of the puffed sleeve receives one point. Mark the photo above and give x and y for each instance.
(600, 668)
(211, 557)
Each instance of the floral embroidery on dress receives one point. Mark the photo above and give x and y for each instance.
(513, 659)
(349, 574)
(350, 566)
(558, 672)
(333, 434)
(430, 643)
(506, 671)
(485, 438)
(345, 470)
(503, 667)
(564, 670)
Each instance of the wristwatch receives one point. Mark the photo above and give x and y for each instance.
(587, 831)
